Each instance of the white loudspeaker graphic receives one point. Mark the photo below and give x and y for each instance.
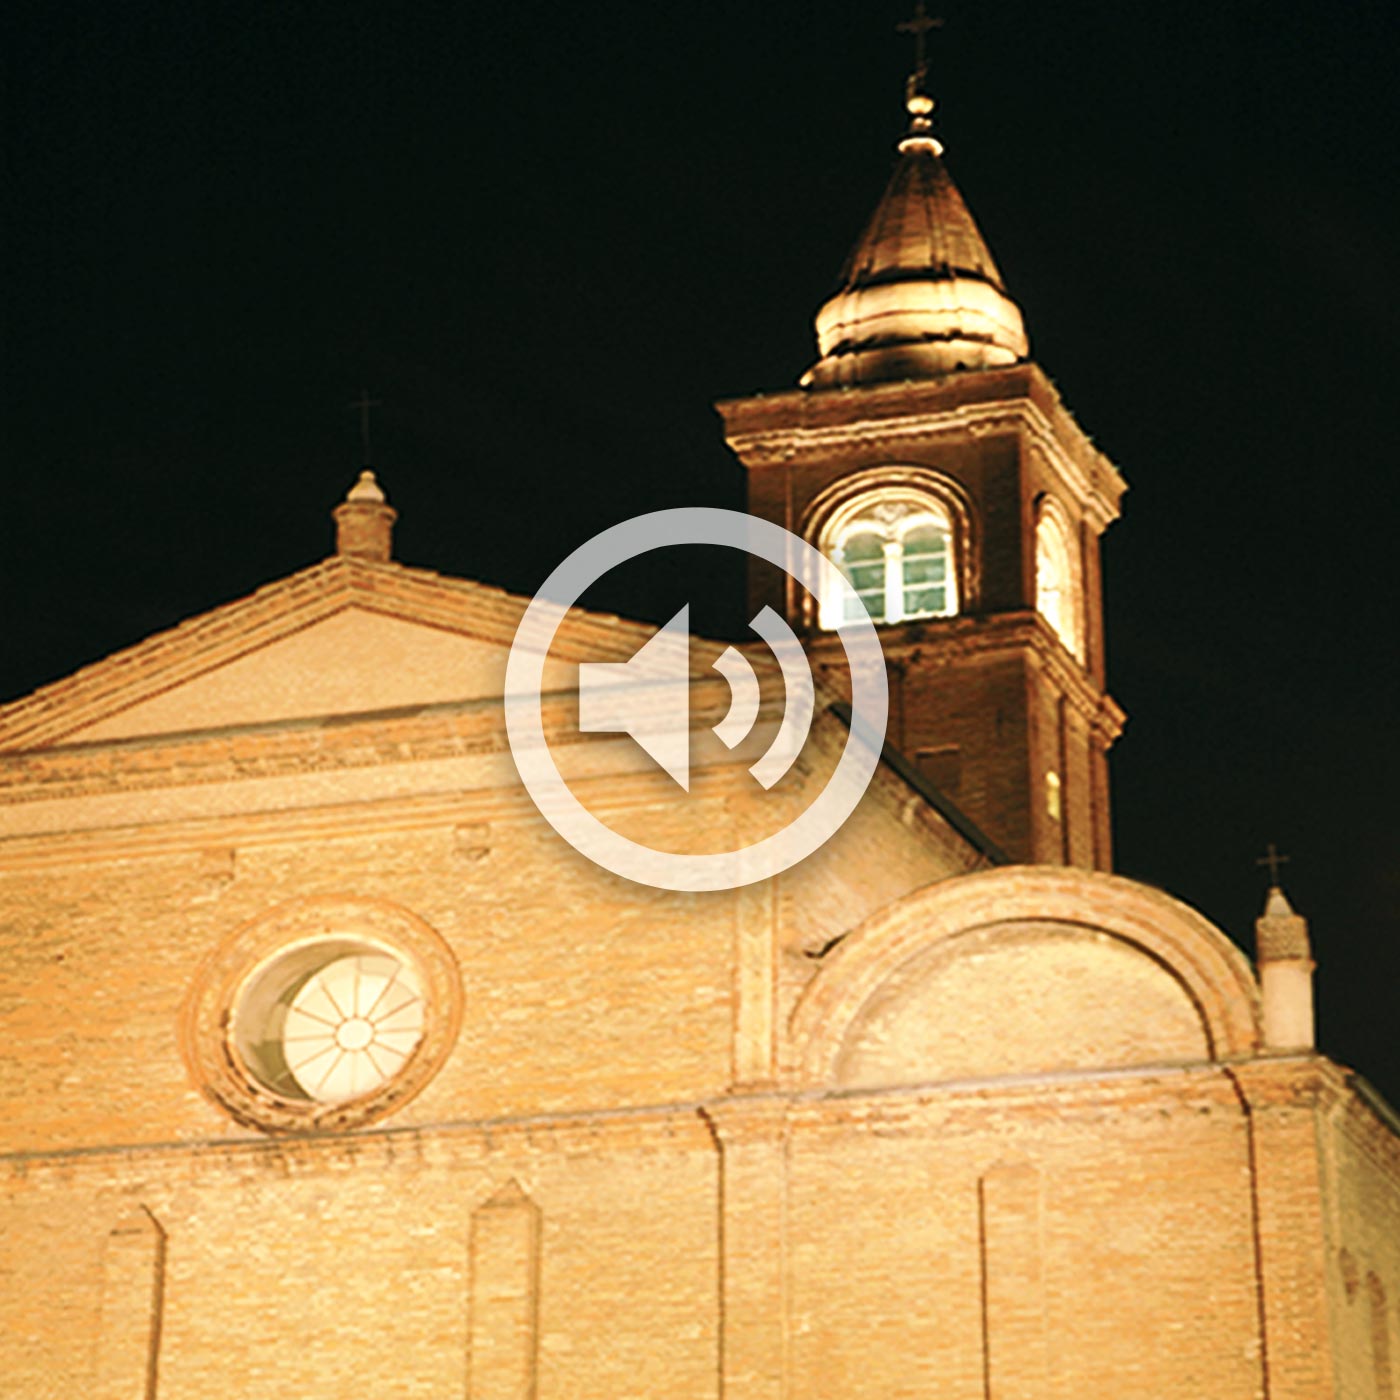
(648, 697)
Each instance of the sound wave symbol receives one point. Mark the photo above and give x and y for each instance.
(648, 697)
(799, 692)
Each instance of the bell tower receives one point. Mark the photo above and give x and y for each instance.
(934, 462)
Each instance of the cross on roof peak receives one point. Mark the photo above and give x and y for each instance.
(1273, 860)
(364, 404)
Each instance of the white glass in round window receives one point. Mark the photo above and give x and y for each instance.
(329, 1021)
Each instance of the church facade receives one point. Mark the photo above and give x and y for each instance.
(329, 1069)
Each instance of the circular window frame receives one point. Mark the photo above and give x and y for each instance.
(207, 1025)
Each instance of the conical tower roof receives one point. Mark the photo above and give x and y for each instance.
(920, 294)
(921, 225)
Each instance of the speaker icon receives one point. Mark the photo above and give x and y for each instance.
(648, 698)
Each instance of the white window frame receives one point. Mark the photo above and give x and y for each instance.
(892, 514)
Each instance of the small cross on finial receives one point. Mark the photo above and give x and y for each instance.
(919, 27)
(1273, 860)
(364, 404)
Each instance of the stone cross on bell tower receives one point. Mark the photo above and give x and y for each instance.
(919, 26)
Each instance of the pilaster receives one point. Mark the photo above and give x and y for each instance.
(752, 1138)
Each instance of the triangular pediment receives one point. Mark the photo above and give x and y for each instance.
(348, 638)
(343, 637)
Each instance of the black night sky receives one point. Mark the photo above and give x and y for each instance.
(549, 236)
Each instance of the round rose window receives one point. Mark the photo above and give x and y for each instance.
(329, 1021)
(322, 1014)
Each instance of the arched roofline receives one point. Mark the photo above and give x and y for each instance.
(1214, 974)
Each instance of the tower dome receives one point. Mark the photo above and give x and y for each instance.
(920, 295)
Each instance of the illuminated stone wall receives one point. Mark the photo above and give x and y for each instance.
(895, 1123)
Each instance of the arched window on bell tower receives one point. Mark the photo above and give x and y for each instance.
(1059, 592)
(899, 547)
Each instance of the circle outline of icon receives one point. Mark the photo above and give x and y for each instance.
(711, 870)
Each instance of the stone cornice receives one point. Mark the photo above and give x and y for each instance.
(923, 1108)
(947, 641)
(650, 1128)
(279, 610)
(745, 1119)
(1318, 1085)
(1289, 1081)
(470, 811)
(478, 798)
(1369, 1122)
(1307, 1083)
(772, 430)
(473, 811)
(257, 751)
(1089, 1095)
(466, 729)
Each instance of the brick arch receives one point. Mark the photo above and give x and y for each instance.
(1212, 972)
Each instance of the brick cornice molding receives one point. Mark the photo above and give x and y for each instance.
(1054, 1097)
(797, 427)
(929, 1108)
(279, 610)
(747, 1119)
(257, 751)
(582, 1133)
(1369, 1122)
(465, 729)
(947, 641)
(1315, 1085)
